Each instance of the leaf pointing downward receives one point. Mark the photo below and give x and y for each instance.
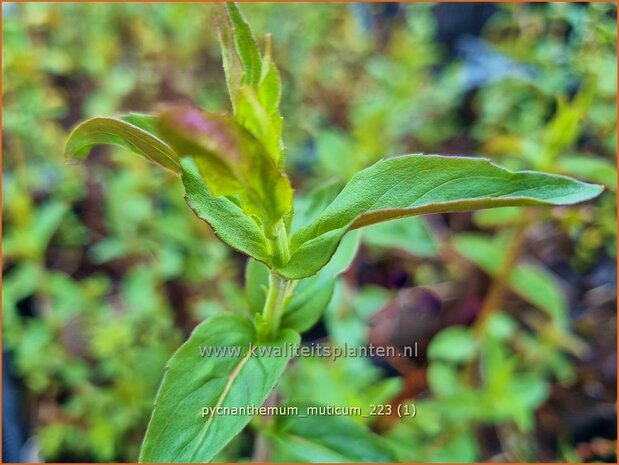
(412, 185)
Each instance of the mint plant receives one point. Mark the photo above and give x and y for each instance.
(232, 167)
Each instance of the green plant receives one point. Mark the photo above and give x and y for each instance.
(232, 170)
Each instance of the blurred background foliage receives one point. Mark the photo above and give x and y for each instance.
(106, 271)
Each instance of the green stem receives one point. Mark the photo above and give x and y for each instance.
(274, 305)
(279, 246)
(280, 289)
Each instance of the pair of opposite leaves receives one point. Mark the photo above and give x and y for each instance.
(232, 169)
(232, 183)
(184, 140)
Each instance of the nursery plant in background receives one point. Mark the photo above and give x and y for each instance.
(232, 167)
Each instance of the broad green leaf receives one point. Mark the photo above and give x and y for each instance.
(131, 132)
(144, 121)
(412, 185)
(454, 344)
(531, 282)
(231, 162)
(313, 294)
(180, 429)
(308, 437)
(226, 218)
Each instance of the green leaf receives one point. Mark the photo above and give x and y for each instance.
(231, 162)
(591, 168)
(308, 206)
(224, 216)
(443, 379)
(313, 294)
(256, 285)
(253, 81)
(270, 85)
(178, 431)
(538, 286)
(412, 185)
(131, 132)
(531, 282)
(245, 45)
(265, 127)
(326, 438)
(308, 304)
(454, 344)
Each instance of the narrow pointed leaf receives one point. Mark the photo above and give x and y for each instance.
(224, 216)
(270, 85)
(245, 45)
(416, 184)
(253, 81)
(265, 127)
(233, 67)
(130, 132)
(179, 429)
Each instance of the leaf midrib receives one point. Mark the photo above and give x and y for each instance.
(220, 400)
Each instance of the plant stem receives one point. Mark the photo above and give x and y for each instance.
(274, 305)
(279, 246)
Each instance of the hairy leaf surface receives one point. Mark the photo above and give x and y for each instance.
(253, 81)
(412, 185)
(178, 432)
(224, 216)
